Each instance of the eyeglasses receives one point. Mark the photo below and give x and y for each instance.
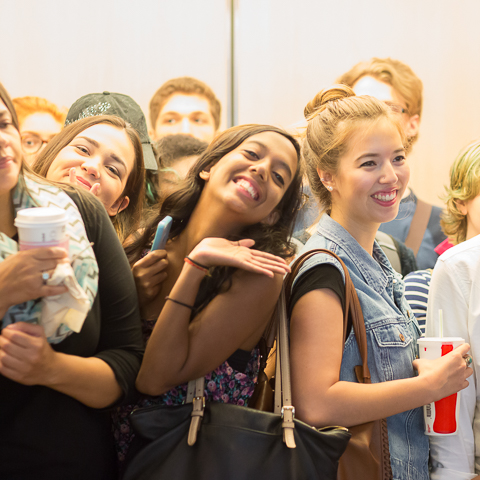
(396, 108)
(32, 143)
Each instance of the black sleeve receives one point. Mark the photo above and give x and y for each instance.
(120, 342)
(320, 276)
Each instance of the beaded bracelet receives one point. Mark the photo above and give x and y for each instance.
(179, 303)
(197, 265)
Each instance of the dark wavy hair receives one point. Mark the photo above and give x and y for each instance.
(179, 205)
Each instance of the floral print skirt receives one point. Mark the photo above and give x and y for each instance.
(224, 384)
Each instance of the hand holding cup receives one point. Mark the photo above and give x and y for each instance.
(22, 275)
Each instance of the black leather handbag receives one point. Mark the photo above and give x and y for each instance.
(220, 441)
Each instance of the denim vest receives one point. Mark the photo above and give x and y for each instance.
(392, 333)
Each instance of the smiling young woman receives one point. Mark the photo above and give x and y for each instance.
(243, 192)
(354, 148)
(102, 154)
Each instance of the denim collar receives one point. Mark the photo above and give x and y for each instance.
(376, 269)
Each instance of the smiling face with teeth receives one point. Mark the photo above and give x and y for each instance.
(371, 178)
(252, 179)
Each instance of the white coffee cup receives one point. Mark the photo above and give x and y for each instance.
(441, 417)
(42, 227)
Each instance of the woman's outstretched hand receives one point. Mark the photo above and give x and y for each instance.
(213, 252)
(447, 374)
(21, 275)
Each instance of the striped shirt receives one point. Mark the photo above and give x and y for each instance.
(417, 286)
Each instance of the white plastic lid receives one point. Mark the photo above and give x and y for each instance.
(40, 215)
(441, 339)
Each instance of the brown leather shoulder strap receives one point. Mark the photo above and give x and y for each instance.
(418, 227)
(352, 307)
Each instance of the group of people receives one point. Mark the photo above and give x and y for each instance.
(243, 203)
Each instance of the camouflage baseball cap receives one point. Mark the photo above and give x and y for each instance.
(123, 106)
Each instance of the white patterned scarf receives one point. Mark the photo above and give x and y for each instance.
(31, 193)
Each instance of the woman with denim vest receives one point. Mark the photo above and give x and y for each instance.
(355, 151)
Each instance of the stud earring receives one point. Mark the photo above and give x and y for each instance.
(329, 188)
(322, 179)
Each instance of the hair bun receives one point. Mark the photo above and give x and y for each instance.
(331, 94)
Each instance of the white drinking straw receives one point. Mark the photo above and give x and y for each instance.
(440, 320)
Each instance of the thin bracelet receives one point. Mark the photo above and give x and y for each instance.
(179, 303)
(195, 264)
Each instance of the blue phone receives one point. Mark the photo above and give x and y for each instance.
(161, 236)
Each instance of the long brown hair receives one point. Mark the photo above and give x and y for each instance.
(126, 221)
(179, 205)
(5, 97)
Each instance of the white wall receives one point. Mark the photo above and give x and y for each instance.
(63, 49)
(287, 51)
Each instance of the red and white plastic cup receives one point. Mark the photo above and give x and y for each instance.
(441, 417)
(42, 227)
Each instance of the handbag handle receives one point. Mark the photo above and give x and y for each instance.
(283, 386)
(283, 389)
(353, 309)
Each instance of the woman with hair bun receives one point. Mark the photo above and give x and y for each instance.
(354, 148)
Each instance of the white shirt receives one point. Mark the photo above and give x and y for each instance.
(455, 288)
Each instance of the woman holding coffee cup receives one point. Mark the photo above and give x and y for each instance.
(53, 394)
(355, 151)
(455, 291)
